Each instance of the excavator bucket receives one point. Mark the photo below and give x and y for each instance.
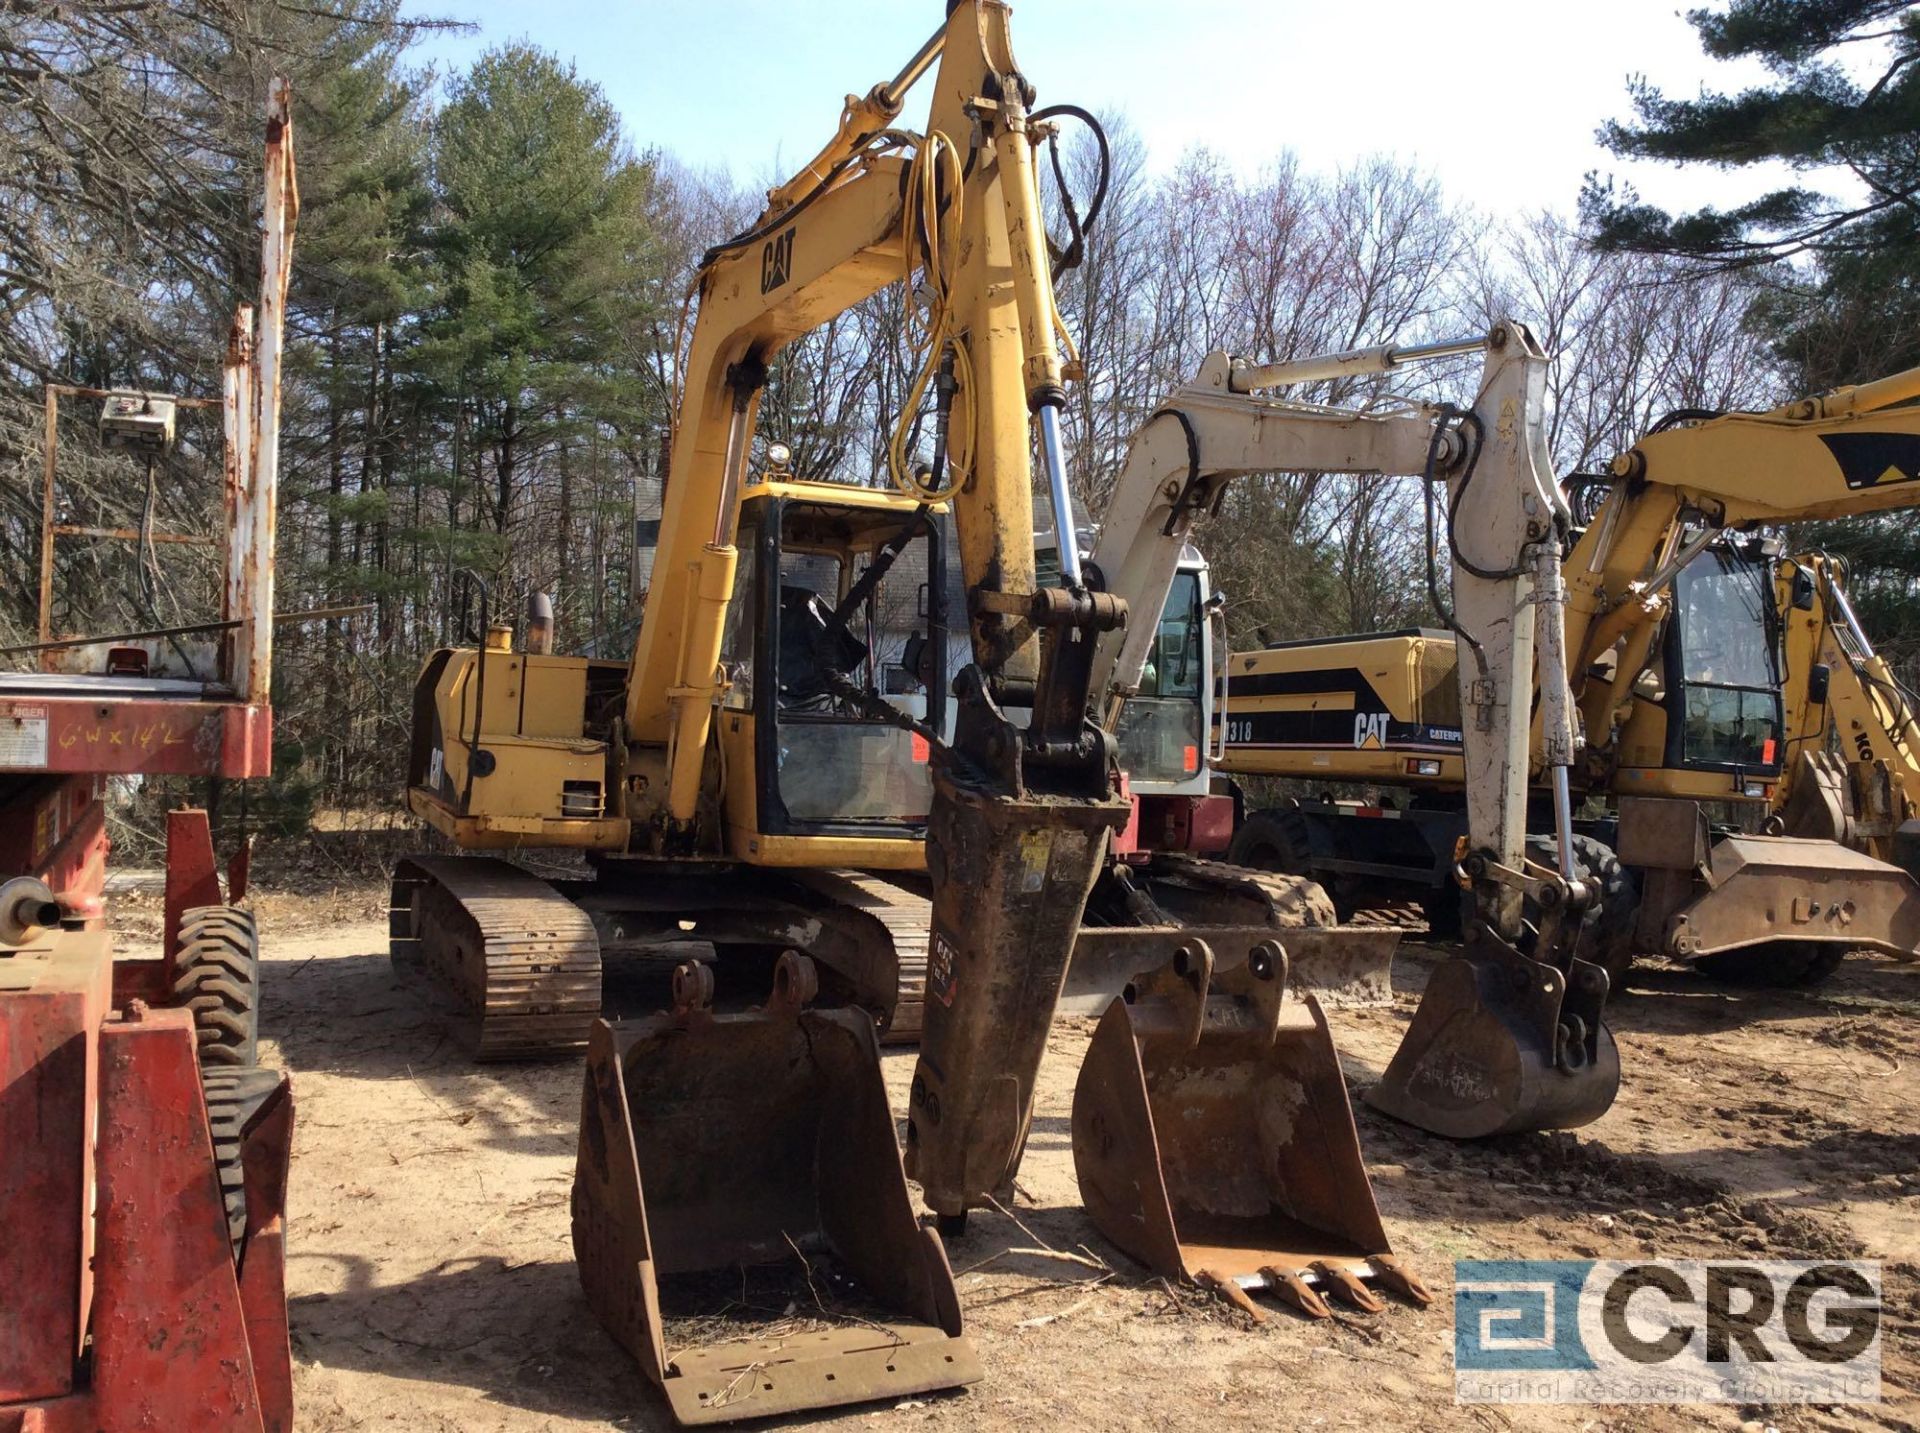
(1502, 1043)
(1214, 1142)
(714, 1141)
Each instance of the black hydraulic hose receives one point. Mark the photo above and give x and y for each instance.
(1685, 415)
(1478, 441)
(1449, 415)
(894, 140)
(1075, 252)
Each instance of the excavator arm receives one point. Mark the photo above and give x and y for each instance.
(1865, 794)
(1844, 454)
(1511, 1038)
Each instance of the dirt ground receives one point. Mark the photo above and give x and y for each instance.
(432, 1285)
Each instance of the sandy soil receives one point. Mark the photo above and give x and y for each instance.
(432, 1286)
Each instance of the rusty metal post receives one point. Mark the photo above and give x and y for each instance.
(255, 519)
(46, 522)
(236, 389)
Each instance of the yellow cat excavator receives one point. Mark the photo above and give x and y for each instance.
(1706, 671)
(1851, 771)
(745, 781)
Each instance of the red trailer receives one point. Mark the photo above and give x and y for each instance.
(142, 1268)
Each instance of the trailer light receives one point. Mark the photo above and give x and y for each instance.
(1189, 759)
(1422, 766)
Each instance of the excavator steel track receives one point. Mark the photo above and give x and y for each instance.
(1289, 900)
(520, 958)
(908, 918)
(1231, 906)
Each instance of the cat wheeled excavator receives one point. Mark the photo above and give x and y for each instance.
(1698, 655)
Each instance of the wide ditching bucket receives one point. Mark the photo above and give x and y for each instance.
(1214, 1141)
(714, 1142)
(1502, 1043)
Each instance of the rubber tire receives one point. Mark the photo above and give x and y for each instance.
(1780, 964)
(217, 977)
(1606, 930)
(1271, 841)
(232, 1097)
(1277, 840)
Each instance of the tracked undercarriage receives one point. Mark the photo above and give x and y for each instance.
(1233, 909)
(529, 964)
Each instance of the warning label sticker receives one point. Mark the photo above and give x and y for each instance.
(943, 981)
(23, 735)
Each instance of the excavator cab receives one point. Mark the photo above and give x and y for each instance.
(1708, 721)
(836, 655)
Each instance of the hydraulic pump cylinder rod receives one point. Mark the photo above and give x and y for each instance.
(1849, 621)
(895, 91)
(1383, 359)
(1556, 696)
(1066, 539)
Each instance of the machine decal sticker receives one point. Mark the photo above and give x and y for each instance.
(942, 982)
(23, 736)
(776, 261)
(1872, 460)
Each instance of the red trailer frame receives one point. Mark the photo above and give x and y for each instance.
(126, 1302)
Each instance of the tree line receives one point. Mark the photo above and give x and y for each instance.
(489, 306)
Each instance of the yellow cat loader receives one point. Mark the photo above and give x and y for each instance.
(1684, 626)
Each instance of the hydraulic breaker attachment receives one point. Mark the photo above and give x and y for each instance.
(1503, 1043)
(1214, 1142)
(709, 1141)
(1019, 829)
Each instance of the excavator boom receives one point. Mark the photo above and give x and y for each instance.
(1510, 1039)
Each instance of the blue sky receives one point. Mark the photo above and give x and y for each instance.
(1499, 98)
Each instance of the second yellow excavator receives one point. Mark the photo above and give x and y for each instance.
(1851, 771)
(1706, 669)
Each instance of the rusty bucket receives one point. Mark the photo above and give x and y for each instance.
(1502, 1043)
(1214, 1141)
(711, 1141)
